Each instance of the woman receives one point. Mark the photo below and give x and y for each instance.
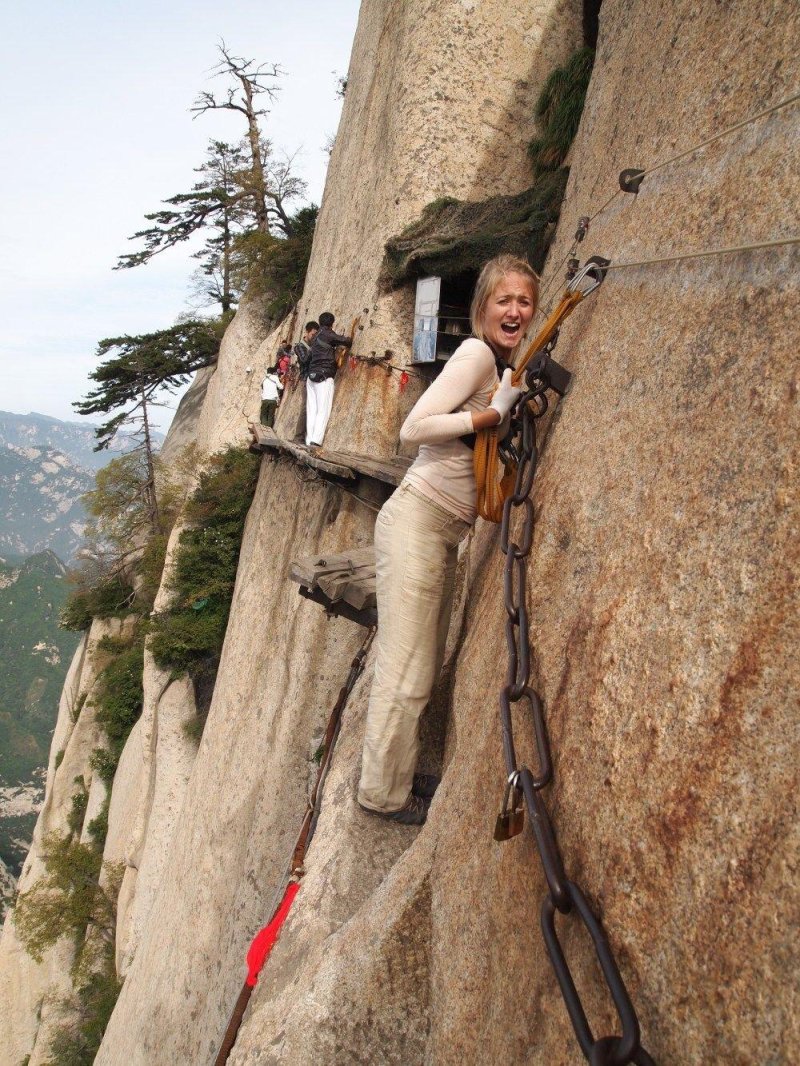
(418, 531)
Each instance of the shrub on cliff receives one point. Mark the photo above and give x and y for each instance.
(452, 236)
(76, 898)
(110, 598)
(119, 696)
(68, 900)
(189, 635)
(559, 109)
(77, 1041)
(275, 267)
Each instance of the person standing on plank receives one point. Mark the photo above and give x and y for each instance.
(321, 372)
(270, 393)
(418, 530)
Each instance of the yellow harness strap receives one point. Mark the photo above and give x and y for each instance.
(493, 491)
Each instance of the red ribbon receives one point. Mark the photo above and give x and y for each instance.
(403, 380)
(264, 940)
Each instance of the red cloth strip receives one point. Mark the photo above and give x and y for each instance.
(264, 940)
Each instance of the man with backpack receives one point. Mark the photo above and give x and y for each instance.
(302, 350)
(322, 370)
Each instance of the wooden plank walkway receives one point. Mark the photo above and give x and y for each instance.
(346, 465)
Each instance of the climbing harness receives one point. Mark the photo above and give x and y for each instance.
(494, 490)
(523, 785)
(264, 940)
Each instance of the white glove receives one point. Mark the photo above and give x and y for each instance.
(506, 395)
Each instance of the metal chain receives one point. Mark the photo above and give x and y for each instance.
(563, 894)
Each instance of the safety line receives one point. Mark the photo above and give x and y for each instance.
(658, 166)
(723, 133)
(780, 242)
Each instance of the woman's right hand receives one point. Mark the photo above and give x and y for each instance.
(506, 395)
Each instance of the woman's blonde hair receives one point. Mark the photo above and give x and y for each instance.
(490, 277)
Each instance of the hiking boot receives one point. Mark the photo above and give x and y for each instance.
(425, 785)
(414, 812)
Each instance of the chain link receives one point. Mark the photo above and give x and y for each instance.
(563, 895)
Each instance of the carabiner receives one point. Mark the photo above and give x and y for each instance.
(595, 270)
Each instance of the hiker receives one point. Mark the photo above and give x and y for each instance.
(418, 531)
(321, 372)
(302, 350)
(283, 360)
(270, 393)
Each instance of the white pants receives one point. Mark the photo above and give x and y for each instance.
(319, 400)
(416, 549)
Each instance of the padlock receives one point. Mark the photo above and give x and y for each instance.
(511, 818)
(509, 824)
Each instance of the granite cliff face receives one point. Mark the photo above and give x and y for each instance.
(661, 592)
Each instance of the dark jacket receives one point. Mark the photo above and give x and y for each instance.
(302, 353)
(323, 353)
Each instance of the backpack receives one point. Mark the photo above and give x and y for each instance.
(302, 353)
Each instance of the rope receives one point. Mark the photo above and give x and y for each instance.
(707, 252)
(652, 170)
(723, 133)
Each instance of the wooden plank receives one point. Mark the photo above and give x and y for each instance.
(308, 570)
(348, 465)
(335, 586)
(361, 594)
(391, 471)
(267, 439)
(347, 576)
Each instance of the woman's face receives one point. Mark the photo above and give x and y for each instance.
(508, 313)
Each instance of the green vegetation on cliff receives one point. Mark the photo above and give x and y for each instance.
(452, 236)
(188, 636)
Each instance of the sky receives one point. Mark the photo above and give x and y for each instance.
(96, 131)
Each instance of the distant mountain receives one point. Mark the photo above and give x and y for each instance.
(45, 467)
(40, 508)
(34, 657)
(76, 440)
(8, 885)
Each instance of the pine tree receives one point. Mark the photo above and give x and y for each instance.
(129, 381)
(244, 190)
(214, 203)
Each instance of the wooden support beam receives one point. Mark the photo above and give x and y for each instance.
(367, 617)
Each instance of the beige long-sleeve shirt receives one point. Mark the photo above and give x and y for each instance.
(443, 469)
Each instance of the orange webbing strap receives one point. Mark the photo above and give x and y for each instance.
(493, 491)
(342, 352)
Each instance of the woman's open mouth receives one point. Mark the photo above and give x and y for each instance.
(510, 329)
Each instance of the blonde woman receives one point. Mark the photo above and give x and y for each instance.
(417, 534)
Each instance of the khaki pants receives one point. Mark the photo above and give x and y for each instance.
(416, 548)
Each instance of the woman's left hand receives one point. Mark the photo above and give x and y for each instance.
(506, 396)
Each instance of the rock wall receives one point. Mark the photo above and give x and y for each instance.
(440, 99)
(283, 663)
(664, 613)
